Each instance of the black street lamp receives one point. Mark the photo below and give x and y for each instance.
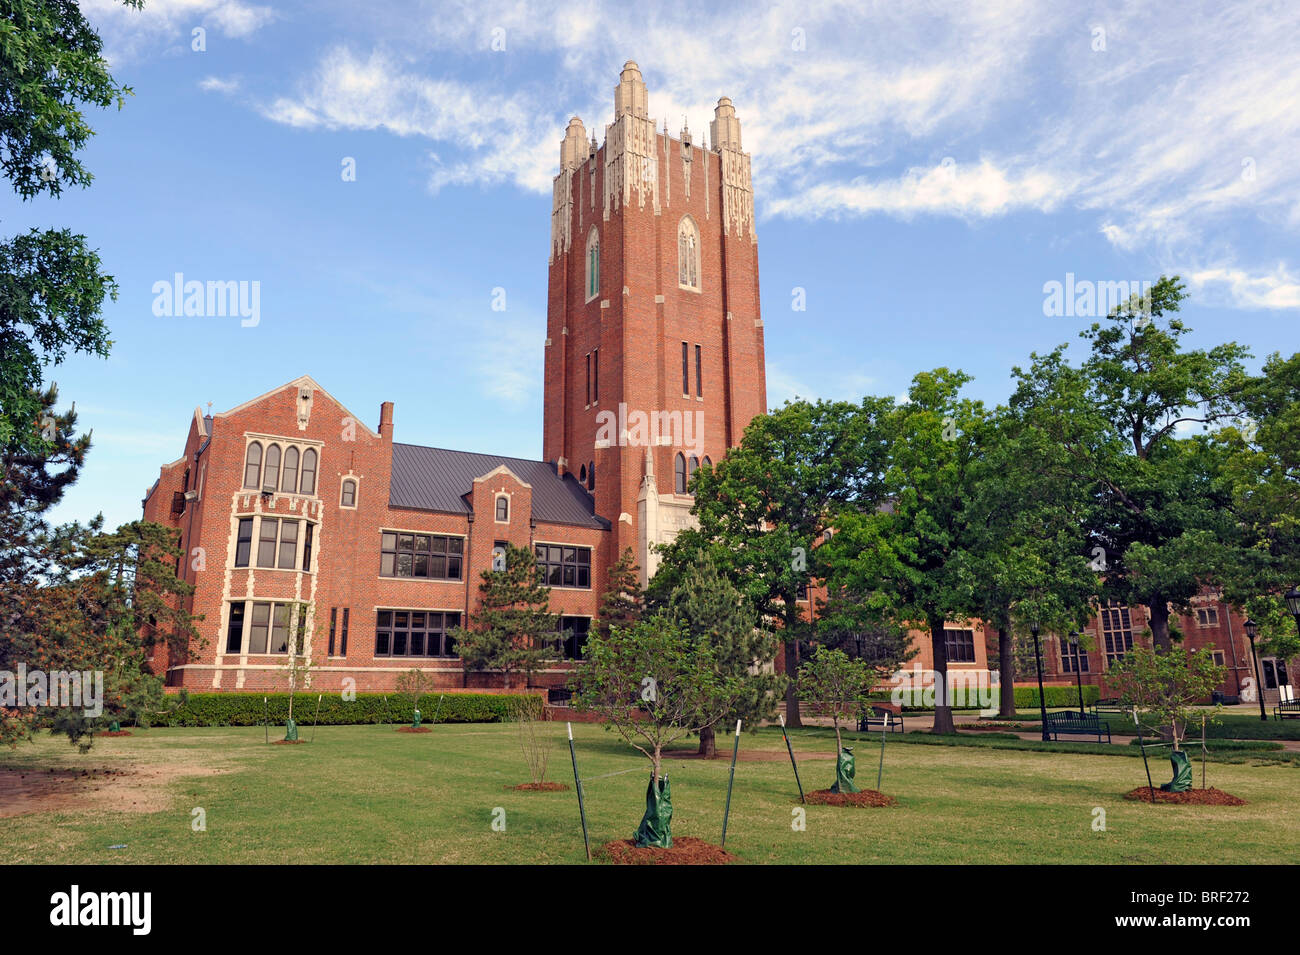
(1252, 629)
(1042, 699)
(1078, 677)
(1292, 599)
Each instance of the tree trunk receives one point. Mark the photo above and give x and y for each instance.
(1007, 672)
(708, 743)
(943, 723)
(839, 743)
(1159, 608)
(791, 690)
(654, 778)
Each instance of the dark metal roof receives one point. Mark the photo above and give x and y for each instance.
(435, 479)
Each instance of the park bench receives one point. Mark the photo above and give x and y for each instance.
(1110, 707)
(1289, 710)
(881, 717)
(1070, 723)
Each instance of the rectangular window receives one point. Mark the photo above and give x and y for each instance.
(560, 566)
(1217, 657)
(288, 545)
(960, 645)
(699, 375)
(1117, 632)
(595, 376)
(244, 542)
(588, 377)
(343, 642)
(257, 634)
(235, 632)
(573, 631)
(266, 542)
(1207, 617)
(426, 556)
(415, 633)
(1073, 658)
(306, 549)
(686, 369)
(334, 620)
(279, 629)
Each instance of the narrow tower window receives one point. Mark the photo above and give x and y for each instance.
(688, 254)
(253, 466)
(699, 374)
(679, 474)
(686, 369)
(503, 509)
(593, 264)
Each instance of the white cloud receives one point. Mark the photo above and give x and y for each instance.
(129, 33)
(1276, 290)
(217, 84)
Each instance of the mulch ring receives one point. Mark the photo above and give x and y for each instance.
(540, 787)
(685, 851)
(1192, 797)
(865, 797)
(111, 733)
(414, 729)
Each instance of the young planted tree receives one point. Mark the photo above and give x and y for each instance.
(1162, 685)
(835, 685)
(412, 685)
(653, 684)
(762, 508)
(535, 743)
(298, 664)
(513, 630)
(708, 607)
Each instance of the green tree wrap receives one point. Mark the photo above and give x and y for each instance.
(290, 730)
(1182, 780)
(656, 825)
(844, 770)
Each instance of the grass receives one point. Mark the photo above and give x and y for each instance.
(1230, 726)
(365, 794)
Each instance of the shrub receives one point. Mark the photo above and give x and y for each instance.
(245, 709)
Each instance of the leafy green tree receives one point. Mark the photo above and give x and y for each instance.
(51, 283)
(653, 684)
(910, 563)
(1161, 525)
(623, 603)
(513, 629)
(1164, 684)
(762, 509)
(711, 609)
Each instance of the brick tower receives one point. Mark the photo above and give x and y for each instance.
(654, 347)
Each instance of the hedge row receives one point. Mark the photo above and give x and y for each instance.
(1026, 697)
(246, 709)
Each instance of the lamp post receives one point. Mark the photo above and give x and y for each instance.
(1251, 629)
(1292, 599)
(1078, 677)
(1042, 699)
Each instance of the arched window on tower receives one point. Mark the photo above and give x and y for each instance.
(593, 264)
(679, 474)
(308, 472)
(692, 466)
(688, 254)
(591, 476)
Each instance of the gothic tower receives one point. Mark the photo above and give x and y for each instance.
(654, 347)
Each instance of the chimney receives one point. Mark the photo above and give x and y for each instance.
(386, 420)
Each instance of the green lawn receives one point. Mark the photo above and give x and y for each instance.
(366, 794)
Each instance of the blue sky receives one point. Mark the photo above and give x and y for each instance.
(921, 170)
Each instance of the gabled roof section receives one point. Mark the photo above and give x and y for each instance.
(315, 387)
(435, 479)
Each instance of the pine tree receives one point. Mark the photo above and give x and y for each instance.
(513, 630)
(708, 607)
(623, 602)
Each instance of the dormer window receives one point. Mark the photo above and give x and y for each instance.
(503, 509)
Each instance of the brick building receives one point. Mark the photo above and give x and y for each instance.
(653, 364)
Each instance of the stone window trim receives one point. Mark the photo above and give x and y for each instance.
(501, 497)
(592, 273)
(306, 457)
(688, 255)
(356, 491)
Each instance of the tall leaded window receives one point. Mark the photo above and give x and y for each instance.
(253, 466)
(244, 542)
(289, 483)
(348, 496)
(271, 475)
(688, 254)
(308, 485)
(593, 264)
(686, 369)
(1116, 630)
(960, 645)
(679, 473)
(1074, 659)
(503, 509)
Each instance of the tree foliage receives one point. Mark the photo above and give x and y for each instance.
(513, 629)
